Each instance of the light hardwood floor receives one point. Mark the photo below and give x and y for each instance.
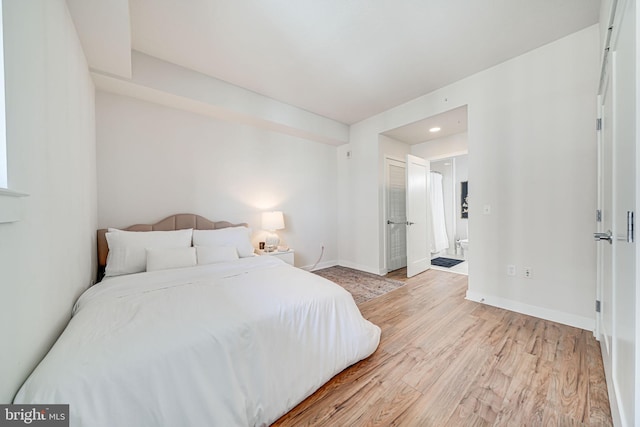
(446, 361)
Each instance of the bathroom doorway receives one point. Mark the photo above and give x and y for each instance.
(441, 140)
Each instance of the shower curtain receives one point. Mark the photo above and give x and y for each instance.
(440, 239)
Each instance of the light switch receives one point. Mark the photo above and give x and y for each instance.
(486, 209)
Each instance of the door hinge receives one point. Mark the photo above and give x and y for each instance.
(597, 306)
(598, 215)
(598, 124)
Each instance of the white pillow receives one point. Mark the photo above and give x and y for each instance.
(238, 237)
(215, 254)
(166, 258)
(127, 249)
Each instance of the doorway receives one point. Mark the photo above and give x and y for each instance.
(436, 138)
(449, 191)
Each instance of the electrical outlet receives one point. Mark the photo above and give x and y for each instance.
(528, 272)
(511, 270)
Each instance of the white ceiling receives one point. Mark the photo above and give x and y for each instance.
(343, 59)
(450, 122)
(104, 30)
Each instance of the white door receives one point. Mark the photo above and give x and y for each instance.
(396, 205)
(617, 268)
(418, 239)
(605, 224)
(624, 158)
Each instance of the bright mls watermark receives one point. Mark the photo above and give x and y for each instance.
(34, 415)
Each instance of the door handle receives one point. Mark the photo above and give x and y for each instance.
(394, 223)
(410, 223)
(604, 236)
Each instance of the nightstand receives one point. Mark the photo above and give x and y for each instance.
(286, 256)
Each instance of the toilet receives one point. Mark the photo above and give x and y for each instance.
(464, 247)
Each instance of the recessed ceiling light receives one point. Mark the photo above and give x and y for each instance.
(435, 129)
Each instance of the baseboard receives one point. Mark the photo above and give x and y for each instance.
(320, 266)
(535, 311)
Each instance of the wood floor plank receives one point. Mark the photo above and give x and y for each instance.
(599, 410)
(571, 376)
(550, 341)
(446, 361)
(450, 388)
(485, 396)
(471, 420)
(394, 401)
(525, 401)
(472, 411)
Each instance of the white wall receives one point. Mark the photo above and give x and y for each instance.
(155, 161)
(48, 258)
(532, 158)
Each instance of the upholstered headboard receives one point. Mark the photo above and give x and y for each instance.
(174, 222)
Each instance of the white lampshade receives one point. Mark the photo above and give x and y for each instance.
(272, 220)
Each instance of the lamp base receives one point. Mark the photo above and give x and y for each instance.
(271, 242)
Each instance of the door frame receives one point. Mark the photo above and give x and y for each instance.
(599, 227)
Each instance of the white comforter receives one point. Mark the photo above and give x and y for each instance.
(235, 344)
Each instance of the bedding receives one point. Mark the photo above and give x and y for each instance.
(214, 254)
(127, 249)
(229, 344)
(238, 237)
(166, 258)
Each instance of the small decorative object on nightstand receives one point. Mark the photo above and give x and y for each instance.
(287, 256)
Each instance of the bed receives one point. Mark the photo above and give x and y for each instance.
(229, 343)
